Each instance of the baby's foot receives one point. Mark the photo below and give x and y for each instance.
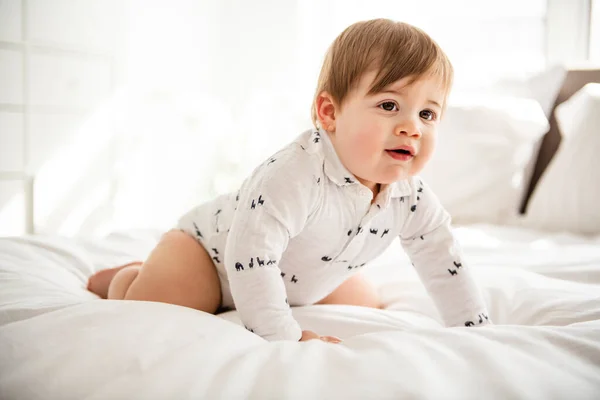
(100, 281)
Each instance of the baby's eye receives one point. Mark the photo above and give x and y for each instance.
(389, 106)
(427, 115)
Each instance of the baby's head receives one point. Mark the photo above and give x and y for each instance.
(383, 87)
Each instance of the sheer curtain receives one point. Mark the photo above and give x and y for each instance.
(212, 88)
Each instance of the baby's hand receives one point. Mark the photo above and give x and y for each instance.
(309, 335)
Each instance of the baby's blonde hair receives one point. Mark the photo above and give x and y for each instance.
(395, 49)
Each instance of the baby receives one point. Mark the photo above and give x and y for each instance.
(307, 220)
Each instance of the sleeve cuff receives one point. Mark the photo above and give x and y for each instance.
(289, 330)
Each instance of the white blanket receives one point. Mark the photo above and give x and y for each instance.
(58, 341)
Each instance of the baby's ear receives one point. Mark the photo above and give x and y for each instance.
(326, 110)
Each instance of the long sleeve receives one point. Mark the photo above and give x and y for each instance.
(429, 242)
(274, 205)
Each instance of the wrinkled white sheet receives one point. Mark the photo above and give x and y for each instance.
(58, 341)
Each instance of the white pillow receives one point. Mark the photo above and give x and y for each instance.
(484, 145)
(567, 196)
(542, 87)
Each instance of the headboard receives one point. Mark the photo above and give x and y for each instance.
(574, 80)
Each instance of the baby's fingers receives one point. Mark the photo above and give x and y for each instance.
(330, 339)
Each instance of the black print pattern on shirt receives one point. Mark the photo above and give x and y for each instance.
(374, 231)
(271, 161)
(481, 318)
(359, 229)
(413, 208)
(198, 231)
(259, 202)
(385, 232)
(350, 232)
(455, 271)
(239, 266)
(283, 274)
(348, 180)
(356, 266)
(261, 263)
(326, 258)
(216, 256)
(294, 279)
(251, 330)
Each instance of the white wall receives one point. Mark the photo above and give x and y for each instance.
(57, 67)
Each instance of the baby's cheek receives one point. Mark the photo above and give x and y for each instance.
(367, 142)
(363, 142)
(424, 156)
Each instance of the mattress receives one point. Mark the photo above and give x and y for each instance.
(59, 341)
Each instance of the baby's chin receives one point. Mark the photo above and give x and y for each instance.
(386, 177)
(395, 176)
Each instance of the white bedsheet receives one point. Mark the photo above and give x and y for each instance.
(58, 341)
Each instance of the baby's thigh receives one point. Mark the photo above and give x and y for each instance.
(178, 271)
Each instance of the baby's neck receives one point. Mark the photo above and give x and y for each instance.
(375, 191)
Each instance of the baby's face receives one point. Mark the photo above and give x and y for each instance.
(388, 136)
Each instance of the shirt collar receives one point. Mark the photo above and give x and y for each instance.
(397, 189)
(332, 165)
(318, 141)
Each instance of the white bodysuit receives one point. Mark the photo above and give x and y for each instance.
(302, 224)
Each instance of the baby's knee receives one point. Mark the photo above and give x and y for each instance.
(356, 291)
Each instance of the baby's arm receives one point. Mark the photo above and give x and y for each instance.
(428, 240)
(273, 207)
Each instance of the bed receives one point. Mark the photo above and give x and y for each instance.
(543, 290)
(59, 341)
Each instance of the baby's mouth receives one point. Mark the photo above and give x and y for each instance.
(401, 151)
(400, 154)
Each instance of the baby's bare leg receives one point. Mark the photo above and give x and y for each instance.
(178, 271)
(99, 282)
(355, 291)
(117, 288)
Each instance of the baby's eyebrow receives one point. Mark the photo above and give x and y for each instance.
(400, 92)
(390, 90)
(434, 103)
